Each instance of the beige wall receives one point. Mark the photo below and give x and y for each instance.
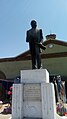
(56, 65)
(12, 69)
(55, 49)
(53, 65)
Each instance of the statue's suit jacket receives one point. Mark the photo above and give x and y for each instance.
(34, 36)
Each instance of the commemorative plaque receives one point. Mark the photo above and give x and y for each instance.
(32, 92)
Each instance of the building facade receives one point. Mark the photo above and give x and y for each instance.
(54, 59)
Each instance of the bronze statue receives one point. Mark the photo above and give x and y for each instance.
(35, 38)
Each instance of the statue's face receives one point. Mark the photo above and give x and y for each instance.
(33, 24)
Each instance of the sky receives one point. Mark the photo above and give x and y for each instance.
(15, 18)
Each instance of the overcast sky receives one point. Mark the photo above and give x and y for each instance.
(15, 17)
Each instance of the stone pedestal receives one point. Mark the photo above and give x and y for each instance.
(34, 97)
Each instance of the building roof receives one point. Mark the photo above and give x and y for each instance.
(26, 54)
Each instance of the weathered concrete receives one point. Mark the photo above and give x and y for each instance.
(34, 97)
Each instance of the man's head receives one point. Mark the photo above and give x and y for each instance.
(33, 24)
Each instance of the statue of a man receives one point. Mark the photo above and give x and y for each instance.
(34, 37)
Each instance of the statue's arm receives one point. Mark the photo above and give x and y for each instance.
(41, 36)
(27, 37)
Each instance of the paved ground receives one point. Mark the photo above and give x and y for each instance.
(8, 116)
(2, 116)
